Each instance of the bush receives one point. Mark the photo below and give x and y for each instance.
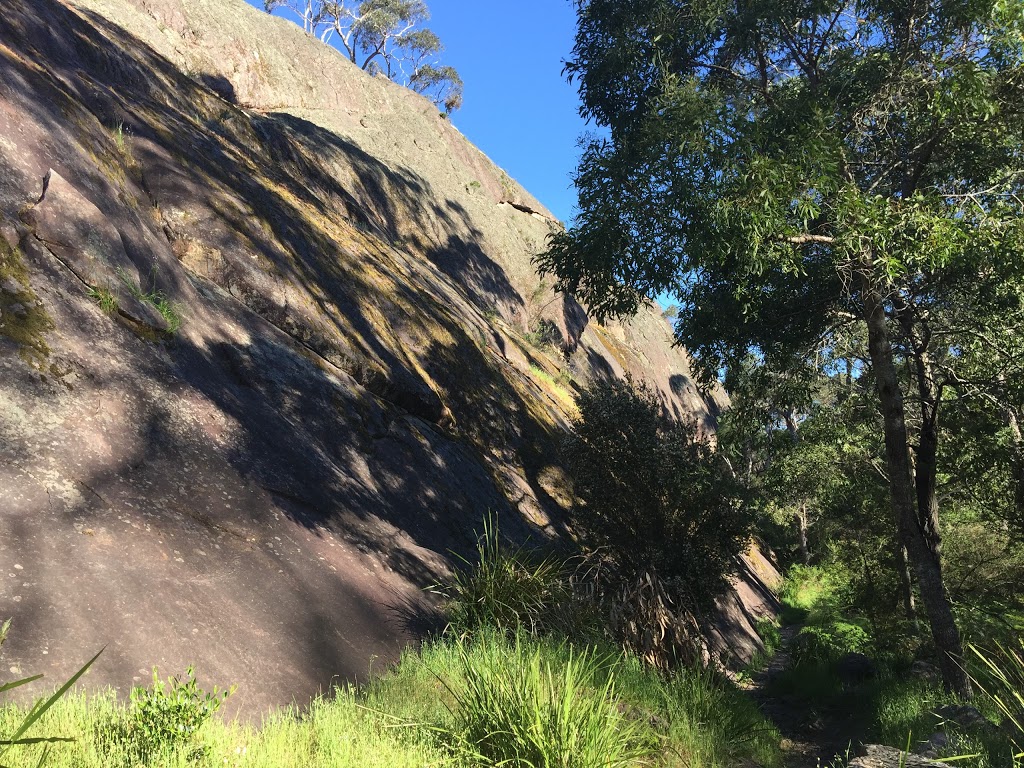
(167, 716)
(828, 642)
(654, 495)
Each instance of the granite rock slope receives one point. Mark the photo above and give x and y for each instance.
(271, 344)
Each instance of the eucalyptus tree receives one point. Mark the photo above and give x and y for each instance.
(794, 171)
(382, 36)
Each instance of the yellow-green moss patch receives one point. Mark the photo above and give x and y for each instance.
(23, 319)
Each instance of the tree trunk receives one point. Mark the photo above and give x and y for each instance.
(801, 529)
(906, 583)
(920, 536)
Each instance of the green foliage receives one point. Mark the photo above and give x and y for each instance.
(1001, 676)
(442, 84)
(768, 631)
(828, 642)
(510, 589)
(516, 706)
(154, 297)
(654, 495)
(904, 712)
(544, 333)
(815, 184)
(168, 715)
(17, 736)
(105, 298)
(814, 594)
(408, 717)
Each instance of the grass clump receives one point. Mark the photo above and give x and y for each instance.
(506, 588)
(105, 298)
(155, 298)
(109, 301)
(518, 703)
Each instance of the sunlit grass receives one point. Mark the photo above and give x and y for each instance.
(590, 706)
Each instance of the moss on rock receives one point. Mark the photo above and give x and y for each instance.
(23, 319)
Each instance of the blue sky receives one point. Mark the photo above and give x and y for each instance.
(517, 107)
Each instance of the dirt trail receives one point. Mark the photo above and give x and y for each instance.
(813, 733)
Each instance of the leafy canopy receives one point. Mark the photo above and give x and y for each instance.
(763, 158)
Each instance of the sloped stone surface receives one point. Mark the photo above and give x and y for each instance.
(356, 380)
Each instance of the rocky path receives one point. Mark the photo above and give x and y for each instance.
(813, 734)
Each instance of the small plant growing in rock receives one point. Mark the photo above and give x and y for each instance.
(154, 297)
(105, 298)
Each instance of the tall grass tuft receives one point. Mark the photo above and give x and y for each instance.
(1002, 679)
(507, 588)
(18, 735)
(518, 704)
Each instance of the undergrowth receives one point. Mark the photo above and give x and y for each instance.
(897, 703)
(507, 684)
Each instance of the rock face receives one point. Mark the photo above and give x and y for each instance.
(876, 756)
(271, 345)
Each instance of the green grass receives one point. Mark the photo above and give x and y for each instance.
(524, 703)
(809, 594)
(508, 684)
(505, 588)
(894, 707)
(105, 298)
(156, 298)
(519, 698)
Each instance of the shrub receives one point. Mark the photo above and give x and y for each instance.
(654, 495)
(827, 642)
(519, 705)
(168, 715)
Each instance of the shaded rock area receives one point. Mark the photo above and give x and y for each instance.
(271, 344)
(876, 756)
(732, 632)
